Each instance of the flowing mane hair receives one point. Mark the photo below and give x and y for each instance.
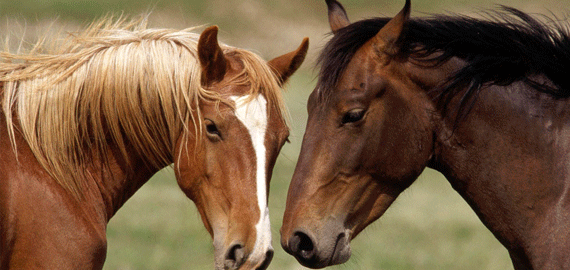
(508, 46)
(116, 83)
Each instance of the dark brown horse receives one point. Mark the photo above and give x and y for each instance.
(485, 102)
(85, 126)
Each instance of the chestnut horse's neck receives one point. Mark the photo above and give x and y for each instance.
(110, 180)
(116, 180)
(508, 157)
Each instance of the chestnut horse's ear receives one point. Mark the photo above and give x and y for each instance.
(337, 15)
(285, 65)
(211, 57)
(388, 36)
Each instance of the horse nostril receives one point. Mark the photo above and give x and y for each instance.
(302, 245)
(235, 257)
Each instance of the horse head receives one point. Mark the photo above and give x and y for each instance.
(225, 165)
(366, 141)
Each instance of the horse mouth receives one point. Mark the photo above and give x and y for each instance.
(265, 264)
(341, 252)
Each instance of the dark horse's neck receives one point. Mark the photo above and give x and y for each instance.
(508, 157)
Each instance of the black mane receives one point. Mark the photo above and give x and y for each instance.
(508, 47)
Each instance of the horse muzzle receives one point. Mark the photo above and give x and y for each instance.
(237, 256)
(235, 249)
(318, 252)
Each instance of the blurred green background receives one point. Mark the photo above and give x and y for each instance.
(428, 227)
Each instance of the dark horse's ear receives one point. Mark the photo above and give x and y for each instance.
(211, 57)
(337, 15)
(285, 65)
(388, 36)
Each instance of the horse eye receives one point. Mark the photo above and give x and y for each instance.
(212, 129)
(353, 116)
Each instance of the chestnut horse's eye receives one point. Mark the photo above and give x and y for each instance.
(212, 129)
(353, 116)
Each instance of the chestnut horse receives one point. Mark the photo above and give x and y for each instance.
(483, 101)
(85, 125)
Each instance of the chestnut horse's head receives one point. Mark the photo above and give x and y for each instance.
(367, 138)
(225, 165)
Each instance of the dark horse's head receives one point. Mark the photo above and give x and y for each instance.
(396, 95)
(356, 151)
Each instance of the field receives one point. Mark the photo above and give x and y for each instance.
(428, 227)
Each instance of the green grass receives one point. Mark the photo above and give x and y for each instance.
(428, 227)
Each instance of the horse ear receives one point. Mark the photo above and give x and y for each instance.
(211, 57)
(285, 65)
(388, 36)
(337, 15)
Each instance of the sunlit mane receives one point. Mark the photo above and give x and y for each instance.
(115, 83)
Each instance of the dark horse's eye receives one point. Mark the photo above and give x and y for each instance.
(212, 129)
(353, 116)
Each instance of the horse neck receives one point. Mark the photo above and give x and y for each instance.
(507, 123)
(105, 188)
(114, 180)
(508, 158)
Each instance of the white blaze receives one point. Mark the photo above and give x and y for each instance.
(253, 115)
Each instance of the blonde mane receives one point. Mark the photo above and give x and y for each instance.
(117, 83)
